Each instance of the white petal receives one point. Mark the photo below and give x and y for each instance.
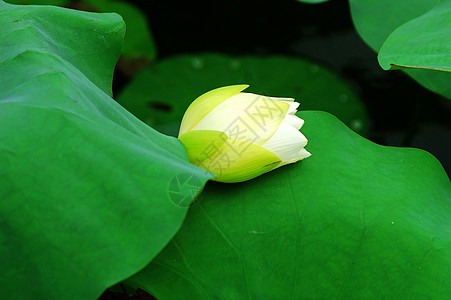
(293, 107)
(282, 99)
(294, 121)
(286, 143)
(303, 154)
(299, 156)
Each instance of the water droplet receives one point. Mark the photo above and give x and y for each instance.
(356, 124)
(343, 98)
(314, 69)
(235, 65)
(197, 63)
(392, 223)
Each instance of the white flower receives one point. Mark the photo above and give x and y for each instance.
(238, 136)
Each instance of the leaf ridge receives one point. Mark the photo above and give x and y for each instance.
(195, 280)
(296, 242)
(178, 272)
(353, 265)
(224, 236)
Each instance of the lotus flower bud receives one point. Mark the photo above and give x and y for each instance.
(238, 136)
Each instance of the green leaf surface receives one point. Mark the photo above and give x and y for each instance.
(89, 194)
(160, 94)
(387, 15)
(356, 220)
(376, 20)
(138, 41)
(424, 42)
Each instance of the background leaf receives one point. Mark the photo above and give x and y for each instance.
(367, 13)
(90, 194)
(376, 20)
(160, 94)
(424, 42)
(356, 220)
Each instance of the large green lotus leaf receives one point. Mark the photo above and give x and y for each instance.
(376, 20)
(160, 94)
(89, 194)
(356, 220)
(424, 42)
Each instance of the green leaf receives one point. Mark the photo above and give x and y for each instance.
(89, 194)
(424, 42)
(376, 20)
(387, 15)
(161, 93)
(138, 41)
(355, 220)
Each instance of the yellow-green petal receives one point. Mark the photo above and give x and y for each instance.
(237, 161)
(201, 144)
(205, 103)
